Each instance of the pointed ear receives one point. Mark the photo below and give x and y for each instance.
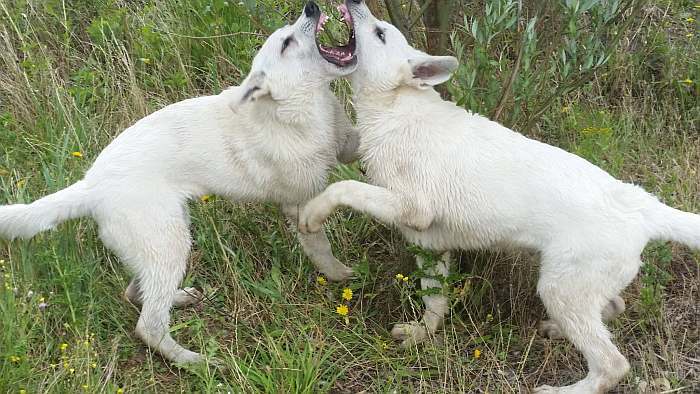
(253, 87)
(426, 71)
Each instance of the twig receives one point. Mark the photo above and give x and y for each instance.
(421, 11)
(249, 33)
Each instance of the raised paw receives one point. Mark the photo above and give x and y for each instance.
(550, 329)
(188, 296)
(545, 390)
(410, 333)
(314, 214)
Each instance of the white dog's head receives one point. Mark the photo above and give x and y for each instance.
(292, 63)
(385, 59)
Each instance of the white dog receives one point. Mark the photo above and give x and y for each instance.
(274, 138)
(451, 179)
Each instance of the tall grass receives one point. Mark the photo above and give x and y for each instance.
(74, 74)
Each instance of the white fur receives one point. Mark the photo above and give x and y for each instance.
(451, 179)
(274, 138)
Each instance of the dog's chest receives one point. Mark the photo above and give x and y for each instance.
(281, 169)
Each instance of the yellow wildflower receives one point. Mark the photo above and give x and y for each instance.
(63, 347)
(342, 310)
(321, 280)
(690, 35)
(72, 370)
(477, 353)
(687, 81)
(405, 279)
(690, 19)
(347, 294)
(120, 391)
(85, 386)
(565, 109)
(93, 365)
(77, 154)
(205, 198)
(145, 60)
(15, 359)
(22, 391)
(399, 276)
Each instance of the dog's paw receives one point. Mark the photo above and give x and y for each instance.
(313, 215)
(188, 296)
(550, 329)
(545, 390)
(339, 274)
(410, 334)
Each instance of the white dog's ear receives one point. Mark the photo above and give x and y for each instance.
(253, 87)
(425, 71)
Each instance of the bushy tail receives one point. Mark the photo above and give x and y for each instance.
(25, 221)
(670, 224)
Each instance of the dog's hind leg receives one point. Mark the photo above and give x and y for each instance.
(154, 242)
(436, 305)
(614, 308)
(318, 249)
(184, 297)
(575, 294)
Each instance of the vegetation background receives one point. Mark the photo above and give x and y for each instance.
(615, 81)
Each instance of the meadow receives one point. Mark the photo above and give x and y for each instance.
(614, 81)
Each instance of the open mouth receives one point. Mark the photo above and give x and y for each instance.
(340, 54)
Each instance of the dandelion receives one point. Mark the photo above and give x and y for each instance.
(321, 280)
(347, 294)
(342, 310)
(477, 353)
(77, 154)
(63, 347)
(399, 276)
(15, 359)
(687, 81)
(205, 198)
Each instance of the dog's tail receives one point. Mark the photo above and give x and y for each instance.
(670, 224)
(25, 221)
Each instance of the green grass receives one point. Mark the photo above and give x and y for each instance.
(71, 78)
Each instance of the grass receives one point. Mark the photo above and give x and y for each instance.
(74, 76)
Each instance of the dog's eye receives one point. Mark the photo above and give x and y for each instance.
(287, 42)
(380, 34)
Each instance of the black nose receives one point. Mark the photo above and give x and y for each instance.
(312, 9)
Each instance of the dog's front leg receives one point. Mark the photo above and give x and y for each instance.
(383, 204)
(317, 247)
(435, 305)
